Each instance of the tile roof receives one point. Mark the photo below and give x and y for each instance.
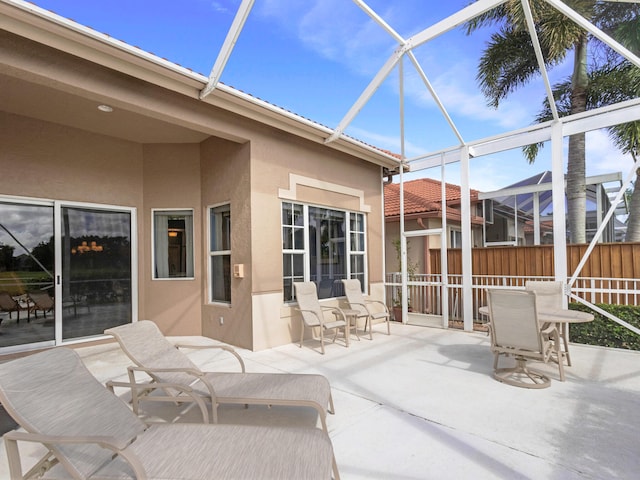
(422, 196)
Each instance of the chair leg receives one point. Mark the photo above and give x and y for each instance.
(565, 341)
(301, 334)
(559, 355)
(322, 340)
(388, 327)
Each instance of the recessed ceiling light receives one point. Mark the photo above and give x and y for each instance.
(105, 108)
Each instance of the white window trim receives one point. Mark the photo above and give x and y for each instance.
(210, 254)
(153, 244)
(306, 266)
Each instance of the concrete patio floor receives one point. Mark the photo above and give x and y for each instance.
(421, 404)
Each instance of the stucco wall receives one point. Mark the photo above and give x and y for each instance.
(326, 178)
(46, 160)
(172, 181)
(226, 177)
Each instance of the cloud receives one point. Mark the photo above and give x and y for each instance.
(387, 142)
(603, 156)
(335, 30)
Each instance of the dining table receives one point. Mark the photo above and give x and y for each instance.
(561, 317)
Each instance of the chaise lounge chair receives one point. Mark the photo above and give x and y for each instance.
(40, 301)
(91, 434)
(10, 304)
(154, 355)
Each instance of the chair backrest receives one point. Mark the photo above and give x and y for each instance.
(514, 320)
(42, 300)
(550, 295)
(8, 303)
(307, 297)
(53, 393)
(147, 347)
(353, 291)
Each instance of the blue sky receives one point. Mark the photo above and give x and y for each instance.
(315, 57)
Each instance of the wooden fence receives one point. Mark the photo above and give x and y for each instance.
(612, 260)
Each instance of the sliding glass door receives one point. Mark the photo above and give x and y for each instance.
(66, 272)
(96, 270)
(27, 253)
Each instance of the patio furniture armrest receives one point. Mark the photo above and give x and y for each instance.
(320, 320)
(138, 391)
(107, 442)
(226, 348)
(149, 371)
(102, 440)
(384, 306)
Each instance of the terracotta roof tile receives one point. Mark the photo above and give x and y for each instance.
(421, 196)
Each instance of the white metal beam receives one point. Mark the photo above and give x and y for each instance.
(444, 260)
(465, 223)
(595, 119)
(367, 94)
(614, 205)
(595, 31)
(543, 187)
(603, 117)
(453, 21)
(434, 95)
(539, 57)
(378, 19)
(227, 47)
(558, 199)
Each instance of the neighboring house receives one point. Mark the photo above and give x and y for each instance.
(528, 204)
(133, 198)
(423, 211)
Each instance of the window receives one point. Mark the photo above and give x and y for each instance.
(173, 244)
(455, 238)
(321, 245)
(357, 248)
(220, 253)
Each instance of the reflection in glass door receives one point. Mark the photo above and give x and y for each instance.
(65, 272)
(26, 274)
(96, 271)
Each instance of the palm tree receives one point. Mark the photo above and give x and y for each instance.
(509, 62)
(610, 84)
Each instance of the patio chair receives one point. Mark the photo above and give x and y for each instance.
(515, 330)
(42, 301)
(10, 305)
(550, 296)
(92, 434)
(312, 313)
(370, 310)
(172, 372)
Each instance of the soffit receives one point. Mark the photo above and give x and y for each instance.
(66, 36)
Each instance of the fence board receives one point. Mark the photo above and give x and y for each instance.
(612, 260)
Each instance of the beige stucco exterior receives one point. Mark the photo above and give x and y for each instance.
(163, 148)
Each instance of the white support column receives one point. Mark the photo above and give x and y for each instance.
(599, 207)
(467, 277)
(403, 238)
(444, 268)
(515, 220)
(558, 200)
(536, 218)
